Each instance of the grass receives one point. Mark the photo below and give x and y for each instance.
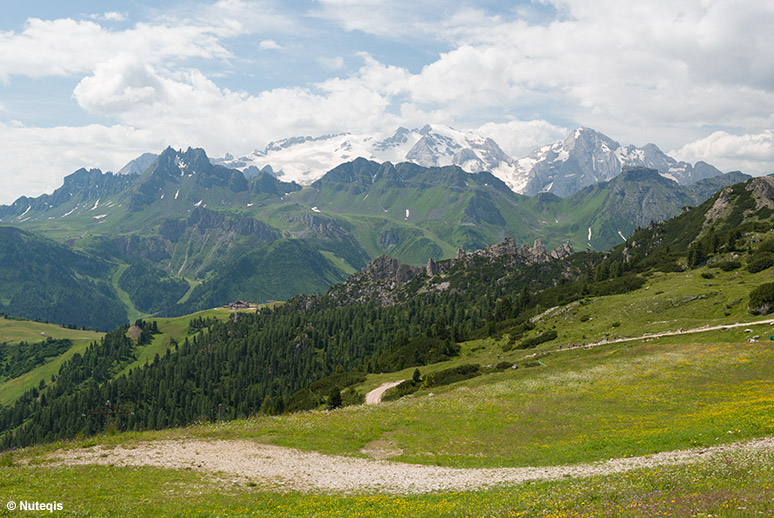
(20, 330)
(15, 331)
(581, 405)
(737, 484)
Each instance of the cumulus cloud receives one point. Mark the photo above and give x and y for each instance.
(519, 138)
(36, 159)
(751, 153)
(659, 71)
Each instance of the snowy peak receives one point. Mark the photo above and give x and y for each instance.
(307, 159)
(587, 157)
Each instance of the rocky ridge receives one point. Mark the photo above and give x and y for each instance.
(385, 281)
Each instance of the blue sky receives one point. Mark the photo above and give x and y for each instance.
(95, 84)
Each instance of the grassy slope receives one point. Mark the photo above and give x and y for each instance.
(14, 331)
(610, 401)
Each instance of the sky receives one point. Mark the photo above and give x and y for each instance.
(97, 83)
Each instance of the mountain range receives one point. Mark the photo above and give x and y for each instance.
(186, 234)
(584, 158)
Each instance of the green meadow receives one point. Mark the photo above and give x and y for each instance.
(558, 407)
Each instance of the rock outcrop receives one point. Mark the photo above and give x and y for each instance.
(380, 282)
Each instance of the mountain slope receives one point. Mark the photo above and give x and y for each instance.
(44, 280)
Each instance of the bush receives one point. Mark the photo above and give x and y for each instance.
(760, 263)
(707, 275)
(404, 389)
(352, 397)
(537, 340)
(504, 365)
(762, 299)
(453, 375)
(727, 266)
(421, 350)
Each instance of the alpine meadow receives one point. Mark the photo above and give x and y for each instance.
(371, 259)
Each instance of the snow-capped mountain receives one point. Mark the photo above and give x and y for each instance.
(587, 157)
(306, 159)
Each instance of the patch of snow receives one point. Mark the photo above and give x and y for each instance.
(408, 213)
(177, 193)
(250, 204)
(366, 196)
(100, 216)
(198, 203)
(95, 205)
(589, 239)
(26, 211)
(162, 196)
(73, 210)
(315, 209)
(622, 236)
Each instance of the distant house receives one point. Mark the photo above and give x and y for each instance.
(240, 304)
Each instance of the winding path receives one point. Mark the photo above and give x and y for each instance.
(277, 467)
(375, 396)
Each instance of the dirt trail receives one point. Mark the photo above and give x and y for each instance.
(670, 333)
(278, 467)
(375, 396)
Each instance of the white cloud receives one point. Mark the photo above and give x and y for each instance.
(68, 47)
(519, 138)
(331, 64)
(38, 158)
(269, 45)
(655, 71)
(750, 153)
(112, 16)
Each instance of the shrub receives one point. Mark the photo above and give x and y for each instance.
(707, 275)
(504, 365)
(766, 246)
(727, 266)
(404, 389)
(760, 263)
(762, 299)
(453, 375)
(537, 340)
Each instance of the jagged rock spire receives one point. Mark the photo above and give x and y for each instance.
(432, 268)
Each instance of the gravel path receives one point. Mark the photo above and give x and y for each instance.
(278, 467)
(375, 396)
(670, 333)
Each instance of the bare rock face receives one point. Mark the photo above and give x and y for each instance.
(432, 268)
(762, 189)
(720, 208)
(563, 251)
